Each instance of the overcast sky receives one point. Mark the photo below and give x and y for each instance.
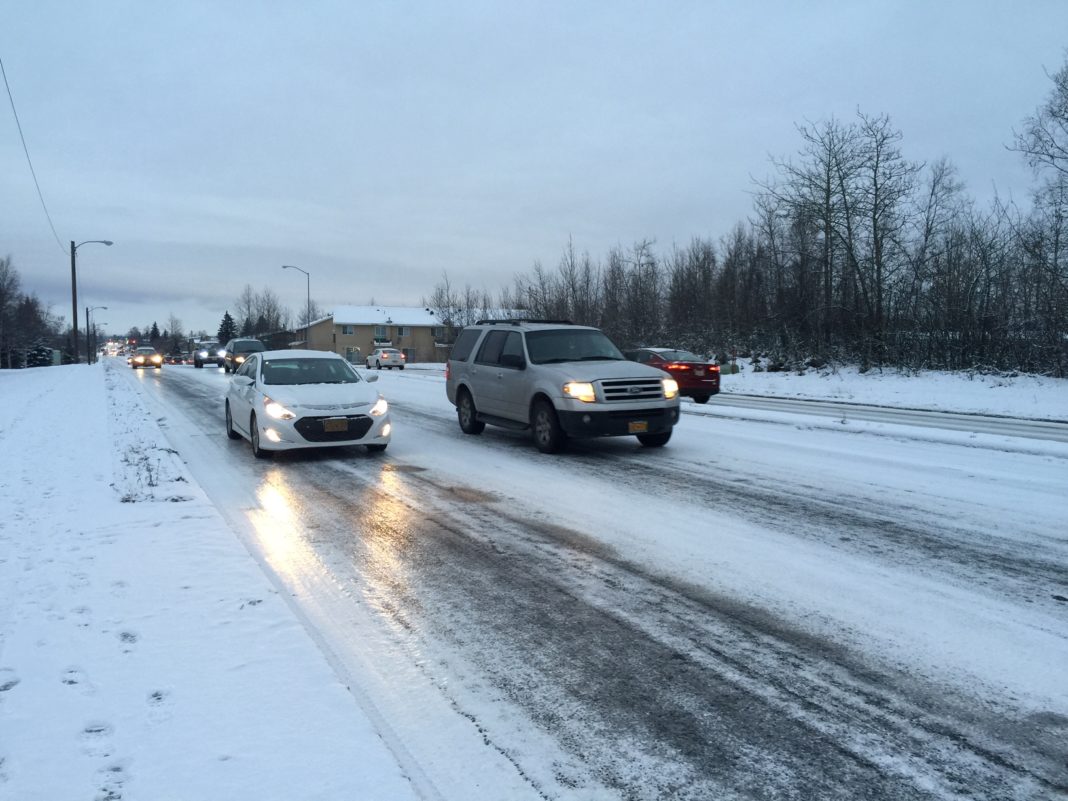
(379, 145)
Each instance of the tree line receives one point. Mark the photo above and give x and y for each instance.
(853, 253)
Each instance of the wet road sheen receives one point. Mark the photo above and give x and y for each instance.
(655, 688)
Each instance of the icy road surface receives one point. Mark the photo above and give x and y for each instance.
(779, 607)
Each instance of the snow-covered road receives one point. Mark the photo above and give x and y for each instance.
(782, 606)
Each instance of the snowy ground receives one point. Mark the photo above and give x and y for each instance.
(144, 654)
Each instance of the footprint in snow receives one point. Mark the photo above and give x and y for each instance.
(75, 677)
(8, 679)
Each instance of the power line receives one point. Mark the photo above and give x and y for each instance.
(28, 160)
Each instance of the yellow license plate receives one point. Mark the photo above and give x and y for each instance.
(332, 424)
(637, 426)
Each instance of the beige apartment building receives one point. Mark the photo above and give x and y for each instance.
(355, 331)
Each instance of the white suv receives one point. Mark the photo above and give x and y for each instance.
(558, 380)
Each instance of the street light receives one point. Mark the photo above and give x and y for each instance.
(89, 333)
(307, 320)
(74, 285)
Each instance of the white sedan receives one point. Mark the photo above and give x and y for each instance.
(385, 357)
(284, 399)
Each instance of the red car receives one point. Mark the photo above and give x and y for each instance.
(697, 378)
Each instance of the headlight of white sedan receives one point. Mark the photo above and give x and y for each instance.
(277, 410)
(380, 408)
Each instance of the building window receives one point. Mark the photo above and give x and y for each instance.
(380, 332)
(438, 332)
(346, 329)
(404, 330)
(352, 355)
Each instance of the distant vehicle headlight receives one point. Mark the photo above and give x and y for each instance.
(277, 410)
(157, 358)
(221, 353)
(580, 390)
(671, 388)
(139, 359)
(380, 408)
(239, 359)
(203, 354)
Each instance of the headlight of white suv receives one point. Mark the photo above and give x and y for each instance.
(580, 390)
(277, 410)
(671, 388)
(380, 408)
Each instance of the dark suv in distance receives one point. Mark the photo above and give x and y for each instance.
(237, 350)
(206, 353)
(557, 380)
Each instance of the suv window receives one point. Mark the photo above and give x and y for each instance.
(465, 343)
(569, 345)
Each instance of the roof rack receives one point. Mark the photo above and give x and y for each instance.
(523, 321)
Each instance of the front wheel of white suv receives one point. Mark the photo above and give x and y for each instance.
(655, 440)
(548, 435)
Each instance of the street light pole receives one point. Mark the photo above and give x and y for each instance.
(307, 319)
(74, 286)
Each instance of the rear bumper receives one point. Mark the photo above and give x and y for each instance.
(618, 423)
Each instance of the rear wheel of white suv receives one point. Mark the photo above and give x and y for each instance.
(467, 414)
(548, 435)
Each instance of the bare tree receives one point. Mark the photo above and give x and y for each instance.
(1044, 139)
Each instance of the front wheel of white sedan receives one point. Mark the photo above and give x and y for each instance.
(254, 435)
(230, 424)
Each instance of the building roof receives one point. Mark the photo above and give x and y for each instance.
(384, 315)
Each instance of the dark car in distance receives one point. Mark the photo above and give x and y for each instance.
(206, 353)
(697, 378)
(237, 350)
(146, 356)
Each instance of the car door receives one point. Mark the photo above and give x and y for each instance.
(513, 378)
(486, 380)
(243, 393)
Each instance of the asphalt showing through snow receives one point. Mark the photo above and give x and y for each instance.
(658, 689)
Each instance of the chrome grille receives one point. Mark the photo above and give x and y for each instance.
(632, 389)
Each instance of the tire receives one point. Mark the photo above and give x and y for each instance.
(198, 365)
(378, 365)
(254, 435)
(230, 424)
(402, 367)
(377, 448)
(655, 440)
(467, 414)
(701, 398)
(548, 435)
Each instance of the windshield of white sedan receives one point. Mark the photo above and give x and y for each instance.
(566, 345)
(308, 371)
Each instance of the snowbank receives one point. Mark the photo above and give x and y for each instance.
(143, 653)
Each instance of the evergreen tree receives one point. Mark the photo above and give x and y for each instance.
(227, 328)
(246, 327)
(153, 333)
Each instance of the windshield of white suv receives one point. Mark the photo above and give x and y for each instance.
(570, 345)
(308, 371)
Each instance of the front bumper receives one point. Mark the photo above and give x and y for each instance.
(618, 422)
(310, 432)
